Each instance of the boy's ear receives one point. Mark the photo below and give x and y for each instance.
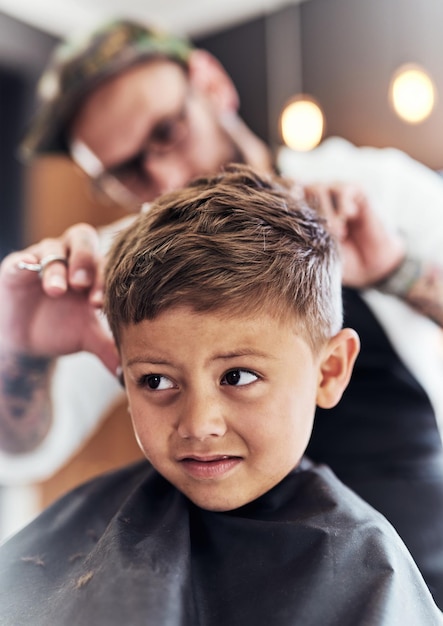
(209, 77)
(336, 367)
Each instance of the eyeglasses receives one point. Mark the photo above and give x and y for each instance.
(128, 183)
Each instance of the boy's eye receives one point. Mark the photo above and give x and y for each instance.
(156, 381)
(239, 377)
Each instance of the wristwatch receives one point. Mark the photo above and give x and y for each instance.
(400, 281)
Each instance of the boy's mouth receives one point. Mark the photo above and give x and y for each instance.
(213, 466)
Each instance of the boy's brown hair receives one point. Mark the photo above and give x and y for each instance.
(239, 242)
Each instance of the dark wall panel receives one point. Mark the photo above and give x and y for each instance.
(23, 54)
(350, 48)
(12, 95)
(242, 51)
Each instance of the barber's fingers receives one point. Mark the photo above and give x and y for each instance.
(70, 261)
(106, 351)
(81, 268)
(99, 341)
(347, 200)
(337, 199)
(339, 203)
(29, 268)
(82, 245)
(320, 198)
(11, 273)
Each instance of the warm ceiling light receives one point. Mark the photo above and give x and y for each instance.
(412, 94)
(301, 123)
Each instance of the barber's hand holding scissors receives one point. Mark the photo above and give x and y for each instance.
(369, 250)
(50, 295)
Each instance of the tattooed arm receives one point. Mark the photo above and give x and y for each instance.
(41, 319)
(25, 411)
(420, 284)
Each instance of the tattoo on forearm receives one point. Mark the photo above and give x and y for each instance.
(25, 406)
(426, 293)
(420, 284)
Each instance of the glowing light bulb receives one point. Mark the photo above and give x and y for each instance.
(301, 123)
(412, 94)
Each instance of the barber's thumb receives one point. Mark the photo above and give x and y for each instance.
(103, 346)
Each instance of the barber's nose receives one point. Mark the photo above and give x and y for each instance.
(167, 172)
(201, 417)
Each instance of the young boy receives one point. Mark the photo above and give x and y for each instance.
(225, 304)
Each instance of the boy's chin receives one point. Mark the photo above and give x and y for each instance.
(220, 502)
(218, 507)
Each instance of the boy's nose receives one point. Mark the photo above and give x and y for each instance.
(201, 417)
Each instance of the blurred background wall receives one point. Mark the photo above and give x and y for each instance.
(351, 48)
(23, 52)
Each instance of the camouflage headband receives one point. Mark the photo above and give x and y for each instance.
(78, 67)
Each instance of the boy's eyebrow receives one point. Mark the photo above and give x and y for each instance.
(243, 352)
(228, 355)
(147, 359)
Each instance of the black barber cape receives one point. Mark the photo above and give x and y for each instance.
(128, 549)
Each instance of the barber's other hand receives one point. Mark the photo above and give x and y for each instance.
(369, 250)
(57, 313)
